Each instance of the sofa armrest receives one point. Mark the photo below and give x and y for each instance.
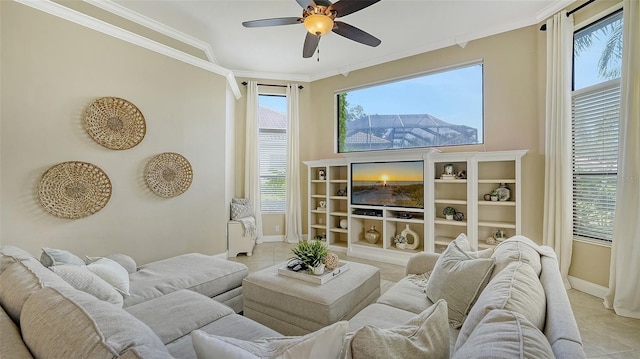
(421, 263)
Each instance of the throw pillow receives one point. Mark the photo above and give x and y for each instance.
(505, 334)
(243, 201)
(53, 257)
(516, 288)
(112, 272)
(425, 336)
(463, 243)
(82, 279)
(325, 343)
(124, 260)
(459, 279)
(239, 211)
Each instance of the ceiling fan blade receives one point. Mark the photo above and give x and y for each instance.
(310, 45)
(355, 34)
(346, 7)
(304, 3)
(273, 22)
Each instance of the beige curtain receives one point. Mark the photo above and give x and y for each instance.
(624, 290)
(252, 163)
(293, 214)
(558, 220)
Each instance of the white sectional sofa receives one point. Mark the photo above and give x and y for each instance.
(44, 316)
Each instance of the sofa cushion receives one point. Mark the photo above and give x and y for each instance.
(12, 345)
(408, 294)
(53, 257)
(20, 280)
(82, 279)
(184, 309)
(80, 326)
(10, 255)
(325, 343)
(234, 326)
(380, 316)
(516, 288)
(517, 249)
(197, 272)
(424, 336)
(458, 278)
(505, 334)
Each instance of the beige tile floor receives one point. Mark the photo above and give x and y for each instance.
(604, 334)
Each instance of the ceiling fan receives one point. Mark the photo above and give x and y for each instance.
(318, 17)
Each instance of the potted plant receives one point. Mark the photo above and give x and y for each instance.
(494, 195)
(449, 212)
(400, 241)
(310, 254)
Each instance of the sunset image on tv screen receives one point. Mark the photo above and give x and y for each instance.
(394, 184)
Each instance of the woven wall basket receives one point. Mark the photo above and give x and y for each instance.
(168, 174)
(114, 123)
(74, 189)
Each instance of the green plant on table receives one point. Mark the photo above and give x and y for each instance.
(310, 253)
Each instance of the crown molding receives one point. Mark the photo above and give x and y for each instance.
(81, 19)
(154, 25)
(272, 76)
(552, 9)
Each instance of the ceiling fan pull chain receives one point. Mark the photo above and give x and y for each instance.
(318, 58)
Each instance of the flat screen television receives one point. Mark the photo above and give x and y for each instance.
(388, 184)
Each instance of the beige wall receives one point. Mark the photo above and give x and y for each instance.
(51, 70)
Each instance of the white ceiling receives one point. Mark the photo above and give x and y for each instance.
(406, 27)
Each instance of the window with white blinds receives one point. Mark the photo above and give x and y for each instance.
(272, 153)
(595, 109)
(595, 128)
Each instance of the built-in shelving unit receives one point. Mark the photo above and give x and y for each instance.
(484, 172)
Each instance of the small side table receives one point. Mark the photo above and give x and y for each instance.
(237, 241)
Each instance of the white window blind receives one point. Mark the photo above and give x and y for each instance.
(595, 128)
(273, 167)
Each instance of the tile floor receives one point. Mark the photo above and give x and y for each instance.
(604, 334)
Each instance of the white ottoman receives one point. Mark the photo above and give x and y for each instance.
(295, 307)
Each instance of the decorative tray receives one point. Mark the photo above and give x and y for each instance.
(312, 278)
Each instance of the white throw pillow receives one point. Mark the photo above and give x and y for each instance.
(53, 257)
(425, 336)
(112, 272)
(505, 334)
(124, 260)
(325, 343)
(459, 279)
(239, 211)
(463, 243)
(82, 279)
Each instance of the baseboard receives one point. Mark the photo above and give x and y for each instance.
(266, 239)
(587, 287)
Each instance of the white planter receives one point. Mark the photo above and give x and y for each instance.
(319, 270)
(448, 217)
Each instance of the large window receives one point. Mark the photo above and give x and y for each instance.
(595, 126)
(436, 109)
(272, 152)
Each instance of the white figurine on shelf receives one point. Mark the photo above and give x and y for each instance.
(321, 175)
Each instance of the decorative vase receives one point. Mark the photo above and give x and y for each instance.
(416, 238)
(319, 270)
(401, 245)
(344, 223)
(372, 235)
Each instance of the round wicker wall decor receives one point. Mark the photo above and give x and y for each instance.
(168, 174)
(74, 189)
(114, 123)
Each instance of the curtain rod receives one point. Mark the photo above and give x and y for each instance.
(544, 26)
(273, 85)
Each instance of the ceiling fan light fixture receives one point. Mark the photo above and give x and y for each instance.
(318, 24)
